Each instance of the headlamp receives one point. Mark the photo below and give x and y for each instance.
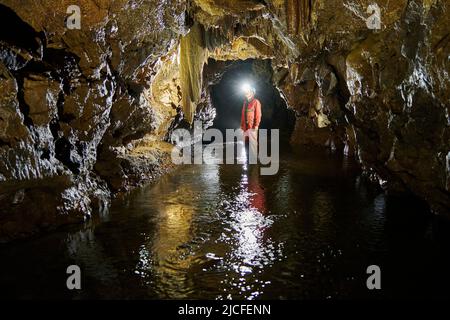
(246, 87)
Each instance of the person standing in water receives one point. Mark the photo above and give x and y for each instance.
(250, 120)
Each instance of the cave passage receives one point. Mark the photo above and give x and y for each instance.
(92, 93)
(227, 97)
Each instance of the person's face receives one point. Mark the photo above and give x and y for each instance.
(249, 94)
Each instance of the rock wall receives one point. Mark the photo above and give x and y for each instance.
(72, 103)
(383, 94)
(399, 86)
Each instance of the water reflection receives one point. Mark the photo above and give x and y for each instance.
(226, 232)
(246, 230)
(184, 245)
(165, 257)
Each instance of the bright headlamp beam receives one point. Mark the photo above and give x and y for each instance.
(246, 87)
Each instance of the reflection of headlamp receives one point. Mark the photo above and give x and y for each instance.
(246, 87)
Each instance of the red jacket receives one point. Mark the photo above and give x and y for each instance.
(253, 114)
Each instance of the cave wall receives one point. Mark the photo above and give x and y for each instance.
(84, 113)
(399, 86)
(73, 101)
(392, 89)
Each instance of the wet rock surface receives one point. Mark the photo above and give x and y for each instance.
(69, 99)
(85, 113)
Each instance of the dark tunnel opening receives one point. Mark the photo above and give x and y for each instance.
(227, 97)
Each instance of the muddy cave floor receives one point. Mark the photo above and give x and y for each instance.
(226, 232)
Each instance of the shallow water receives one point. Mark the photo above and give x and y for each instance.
(226, 232)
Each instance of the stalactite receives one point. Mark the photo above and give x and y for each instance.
(193, 55)
(305, 14)
(298, 15)
(214, 38)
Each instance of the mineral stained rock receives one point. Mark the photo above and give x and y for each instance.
(85, 112)
(71, 99)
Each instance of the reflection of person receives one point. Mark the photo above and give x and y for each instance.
(255, 188)
(250, 120)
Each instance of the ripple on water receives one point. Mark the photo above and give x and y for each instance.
(225, 232)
